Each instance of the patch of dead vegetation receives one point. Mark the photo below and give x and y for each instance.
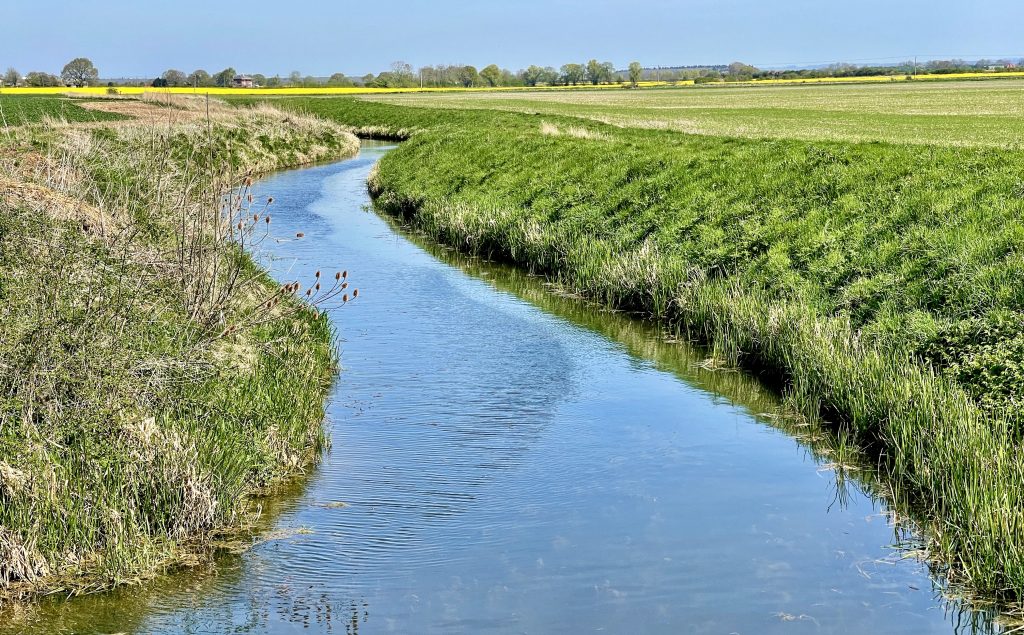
(578, 132)
(45, 200)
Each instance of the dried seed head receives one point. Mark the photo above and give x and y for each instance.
(308, 291)
(344, 274)
(318, 273)
(344, 285)
(355, 293)
(317, 287)
(270, 199)
(299, 234)
(239, 225)
(337, 276)
(344, 298)
(255, 218)
(249, 198)
(267, 219)
(248, 181)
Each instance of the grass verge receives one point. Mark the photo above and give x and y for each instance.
(154, 377)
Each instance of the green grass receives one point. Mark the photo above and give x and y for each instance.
(953, 113)
(22, 109)
(154, 378)
(877, 283)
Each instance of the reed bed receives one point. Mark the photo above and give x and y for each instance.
(154, 378)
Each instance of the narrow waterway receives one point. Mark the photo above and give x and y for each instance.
(506, 459)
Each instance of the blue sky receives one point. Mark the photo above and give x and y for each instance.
(145, 37)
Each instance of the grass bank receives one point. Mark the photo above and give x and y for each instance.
(154, 378)
(877, 284)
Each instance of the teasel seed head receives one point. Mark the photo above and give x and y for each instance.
(299, 234)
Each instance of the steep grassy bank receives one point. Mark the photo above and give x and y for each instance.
(154, 377)
(878, 282)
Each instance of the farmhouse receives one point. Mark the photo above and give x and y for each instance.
(242, 81)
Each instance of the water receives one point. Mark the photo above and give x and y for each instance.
(507, 460)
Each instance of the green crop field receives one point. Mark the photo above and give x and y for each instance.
(21, 109)
(947, 113)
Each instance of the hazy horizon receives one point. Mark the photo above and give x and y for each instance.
(128, 39)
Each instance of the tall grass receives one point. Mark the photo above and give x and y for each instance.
(876, 284)
(153, 376)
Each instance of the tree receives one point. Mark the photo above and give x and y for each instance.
(492, 75)
(12, 77)
(549, 76)
(274, 82)
(39, 79)
(739, 70)
(468, 76)
(259, 79)
(199, 77)
(159, 82)
(636, 72)
(573, 73)
(367, 79)
(532, 75)
(600, 72)
(295, 78)
(174, 77)
(402, 75)
(225, 77)
(79, 72)
(339, 79)
(310, 82)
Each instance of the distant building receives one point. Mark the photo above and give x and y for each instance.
(242, 81)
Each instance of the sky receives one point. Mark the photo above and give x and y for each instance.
(142, 38)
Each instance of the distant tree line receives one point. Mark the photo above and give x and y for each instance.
(82, 72)
(78, 72)
(909, 68)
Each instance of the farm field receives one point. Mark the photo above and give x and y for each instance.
(942, 113)
(22, 109)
